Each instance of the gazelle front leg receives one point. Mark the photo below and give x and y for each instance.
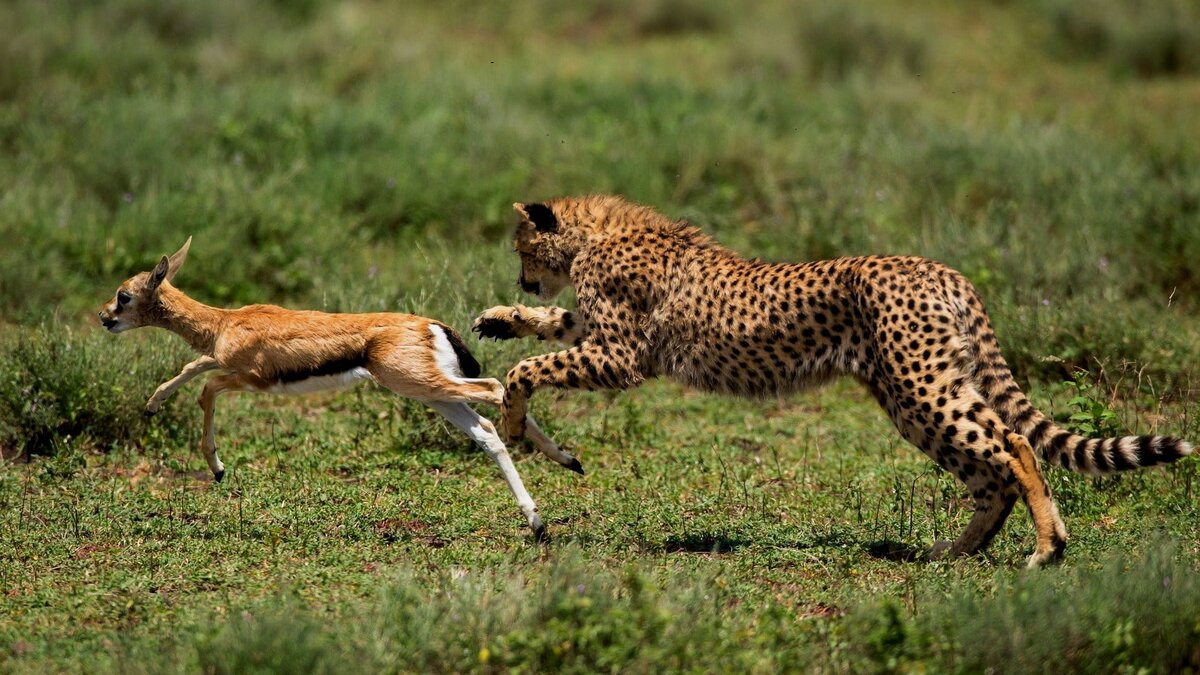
(167, 389)
(208, 398)
(484, 434)
(547, 323)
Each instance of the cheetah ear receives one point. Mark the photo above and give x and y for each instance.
(540, 215)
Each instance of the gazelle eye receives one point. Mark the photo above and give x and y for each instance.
(123, 298)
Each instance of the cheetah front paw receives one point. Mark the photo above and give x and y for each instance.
(152, 407)
(500, 323)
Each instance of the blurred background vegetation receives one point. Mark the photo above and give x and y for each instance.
(363, 155)
(320, 151)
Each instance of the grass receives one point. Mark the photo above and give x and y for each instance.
(362, 156)
(566, 615)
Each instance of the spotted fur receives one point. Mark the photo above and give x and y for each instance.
(658, 297)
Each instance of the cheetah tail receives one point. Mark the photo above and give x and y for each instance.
(1095, 456)
(1052, 443)
(1061, 447)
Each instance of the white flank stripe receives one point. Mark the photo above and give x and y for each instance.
(443, 354)
(311, 384)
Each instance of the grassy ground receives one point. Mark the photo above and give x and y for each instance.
(362, 156)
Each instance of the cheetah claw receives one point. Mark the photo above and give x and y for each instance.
(497, 329)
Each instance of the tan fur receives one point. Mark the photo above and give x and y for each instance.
(658, 297)
(266, 348)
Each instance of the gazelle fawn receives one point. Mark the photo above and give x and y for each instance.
(265, 348)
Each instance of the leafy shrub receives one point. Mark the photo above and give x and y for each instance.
(1090, 416)
(59, 387)
(1141, 37)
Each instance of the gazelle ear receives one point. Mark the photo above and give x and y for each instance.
(177, 259)
(159, 274)
(540, 215)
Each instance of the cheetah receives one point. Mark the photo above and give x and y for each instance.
(658, 297)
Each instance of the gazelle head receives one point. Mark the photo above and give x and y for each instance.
(135, 303)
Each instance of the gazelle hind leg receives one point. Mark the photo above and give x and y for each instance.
(484, 434)
(548, 447)
(493, 394)
(208, 398)
(472, 390)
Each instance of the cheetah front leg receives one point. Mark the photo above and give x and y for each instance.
(547, 323)
(588, 366)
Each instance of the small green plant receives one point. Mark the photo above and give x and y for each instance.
(1091, 417)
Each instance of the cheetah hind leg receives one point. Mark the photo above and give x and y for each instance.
(995, 483)
(994, 502)
(1052, 539)
(938, 550)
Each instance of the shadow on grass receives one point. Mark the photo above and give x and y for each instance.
(713, 542)
(895, 551)
(704, 542)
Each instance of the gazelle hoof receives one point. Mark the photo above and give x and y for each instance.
(575, 466)
(218, 475)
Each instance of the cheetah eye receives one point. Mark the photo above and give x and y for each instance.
(123, 298)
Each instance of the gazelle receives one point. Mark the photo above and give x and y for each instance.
(265, 348)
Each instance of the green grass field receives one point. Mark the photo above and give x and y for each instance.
(363, 156)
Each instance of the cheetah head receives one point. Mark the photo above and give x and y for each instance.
(547, 247)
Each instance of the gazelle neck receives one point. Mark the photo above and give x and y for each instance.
(195, 322)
